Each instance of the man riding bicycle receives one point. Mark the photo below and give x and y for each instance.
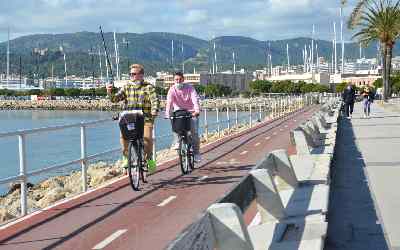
(182, 96)
(141, 96)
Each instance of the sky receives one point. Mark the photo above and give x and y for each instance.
(258, 19)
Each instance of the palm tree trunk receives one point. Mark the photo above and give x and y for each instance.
(389, 70)
(384, 71)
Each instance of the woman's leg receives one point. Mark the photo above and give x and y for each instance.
(369, 108)
(195, 135)
(365, 105)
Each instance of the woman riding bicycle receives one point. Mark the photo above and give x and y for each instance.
(138, 95)
(182, 96)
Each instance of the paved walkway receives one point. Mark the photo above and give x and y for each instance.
(364, 195)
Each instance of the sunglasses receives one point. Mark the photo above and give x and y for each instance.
(134, 74)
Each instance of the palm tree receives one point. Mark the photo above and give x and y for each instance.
(378, 20)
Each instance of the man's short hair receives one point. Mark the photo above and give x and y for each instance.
(138, 66)
(178, 73)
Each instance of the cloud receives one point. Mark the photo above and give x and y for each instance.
(196, 16)
(260, 19)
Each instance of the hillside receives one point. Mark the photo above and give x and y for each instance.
(154, 51)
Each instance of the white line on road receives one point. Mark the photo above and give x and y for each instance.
(109, 239)
(267, 138)
(295, 120)
(286, 126)
(243, 153)
(166, 201)
(275, 133)
(203, 178)
(257, 144)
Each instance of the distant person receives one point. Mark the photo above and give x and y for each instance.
(141, 96)
(368, 98)
(183, 96)
(349, 97)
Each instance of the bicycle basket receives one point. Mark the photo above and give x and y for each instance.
(181, 125)
(131, 126)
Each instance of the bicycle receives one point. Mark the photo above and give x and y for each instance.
(181, 124)
(131, 124)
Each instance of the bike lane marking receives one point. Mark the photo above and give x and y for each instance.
(166, 201)
(243, 153)
(109, 239)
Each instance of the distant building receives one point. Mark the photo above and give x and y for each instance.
(321, 78)
(358, 80)
(396, 63)
(239, 81)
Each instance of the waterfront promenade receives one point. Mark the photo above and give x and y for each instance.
(365, 198)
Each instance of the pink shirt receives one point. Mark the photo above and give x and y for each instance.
(185, 98)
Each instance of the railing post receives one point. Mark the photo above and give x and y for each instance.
(83, 158)
(259, 112)
(218, 125)
(153, 135)
(265, 110)
(250, 116)
(22, 173)
(205, 124)
(228, 118)
(236, 115)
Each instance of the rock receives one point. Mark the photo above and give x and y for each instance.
(52, 183)
(73, 183)
(5, 215)
(52, 196)
(17, 186)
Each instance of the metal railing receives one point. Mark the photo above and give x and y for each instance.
(267, 108)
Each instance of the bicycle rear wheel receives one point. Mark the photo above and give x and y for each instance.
(134, 165)
(184, 156)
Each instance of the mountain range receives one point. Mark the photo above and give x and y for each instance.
(44, 53)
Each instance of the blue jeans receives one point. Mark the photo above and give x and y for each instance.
(367, 106)
(194, 130)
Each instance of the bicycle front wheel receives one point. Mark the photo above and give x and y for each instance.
(134, 163)
(184, 156)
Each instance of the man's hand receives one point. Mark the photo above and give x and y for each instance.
(109, 87)
(195, 114)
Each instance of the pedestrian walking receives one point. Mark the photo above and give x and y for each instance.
(368, 98)
(349, 97)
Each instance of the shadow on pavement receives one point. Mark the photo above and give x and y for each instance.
(352, 216)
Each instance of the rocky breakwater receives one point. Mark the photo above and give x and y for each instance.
(105, 105)
(102, 104)
(242, 104)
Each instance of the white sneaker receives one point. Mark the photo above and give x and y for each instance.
(175, 146)
(197, 158)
